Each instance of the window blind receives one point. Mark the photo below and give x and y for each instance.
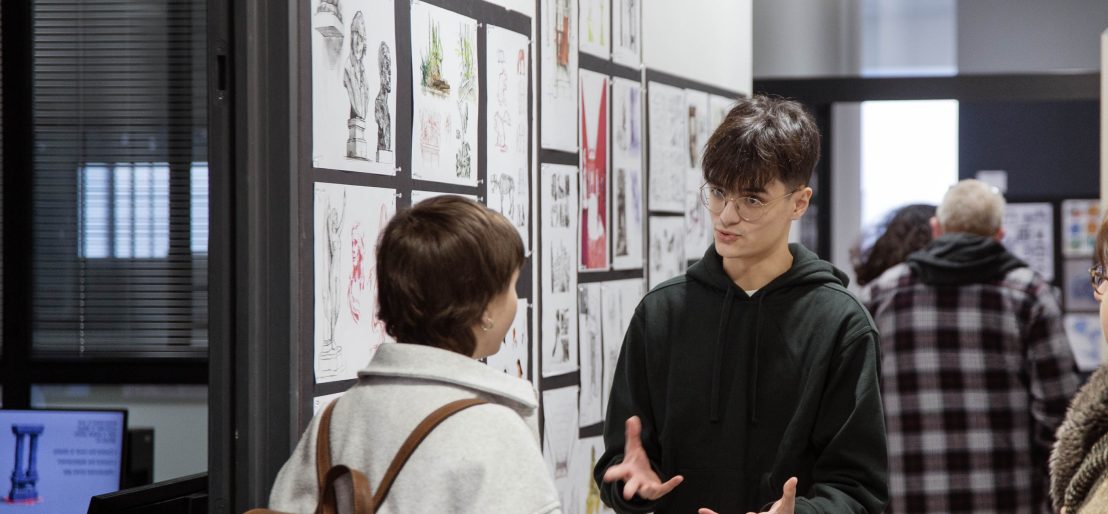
(119, 195)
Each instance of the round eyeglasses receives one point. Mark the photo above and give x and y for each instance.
(750, 208)
(1096, 275)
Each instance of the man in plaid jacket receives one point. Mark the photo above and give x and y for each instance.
(976, 370)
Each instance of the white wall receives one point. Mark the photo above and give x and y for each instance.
(805, 38)
(1026, 36)
(705, 40)
(1104, 121)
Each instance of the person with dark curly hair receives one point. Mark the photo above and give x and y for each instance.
(904, 231)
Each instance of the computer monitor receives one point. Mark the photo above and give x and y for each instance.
(54, 460)
(183, 495)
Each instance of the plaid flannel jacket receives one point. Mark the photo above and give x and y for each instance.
(975, 381)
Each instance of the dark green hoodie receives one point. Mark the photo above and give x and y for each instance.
(739, 393)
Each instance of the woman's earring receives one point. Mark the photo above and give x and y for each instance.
(487, 325)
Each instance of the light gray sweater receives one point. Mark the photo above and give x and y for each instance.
(484, 459)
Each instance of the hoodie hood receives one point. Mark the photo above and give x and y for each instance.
(807, 271)
(955, 259)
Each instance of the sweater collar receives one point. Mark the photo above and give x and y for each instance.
(438, 365)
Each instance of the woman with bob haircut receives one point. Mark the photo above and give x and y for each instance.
(446, 277)
(1079, 460)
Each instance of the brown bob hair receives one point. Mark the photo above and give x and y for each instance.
(439, 264)
(761, 139)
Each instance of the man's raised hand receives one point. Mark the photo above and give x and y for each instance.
(635, 471)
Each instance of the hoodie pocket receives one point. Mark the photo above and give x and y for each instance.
(718, 489)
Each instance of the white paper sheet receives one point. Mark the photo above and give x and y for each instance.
(445, 88)
(583, 489)
(627, 32)
(558, 282)
(353, 85)
(698, 221)
(619, 297)
(594, 36)
(1086, 340)
(559, 438)
(558, 54)
(419, 196)
(1028, 234)
(593, 229)
(1080, 223)
(669, 143)
(667, 249)
(591, 347)
(627, 204)
(515, 351)
(319, 402)
(348, 220)
(508, 69)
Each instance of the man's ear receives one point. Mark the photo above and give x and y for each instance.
(801, 201)
(936, 228)
(999, 236)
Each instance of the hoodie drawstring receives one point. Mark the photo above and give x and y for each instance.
(752, 391)
(724, 318)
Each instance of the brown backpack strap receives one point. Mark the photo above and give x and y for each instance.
(323, 447)
(425, 427)
(362, 502)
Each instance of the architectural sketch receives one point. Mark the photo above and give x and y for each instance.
(619, 299)
(594, 172)
(594, 16)
(508, 148)
(558, 61)
(444, 99)
(348, 220)
(346, 41)
(627, 32)
(667, 249)
(591, 349)
(1029, 235)
(669, 160)
(628, 209)
(558, 281)
(514, 356)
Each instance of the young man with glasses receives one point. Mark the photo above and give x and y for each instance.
(975, 365)
(749, 383)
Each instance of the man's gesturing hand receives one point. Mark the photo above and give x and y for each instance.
(786, 505)
(635, 471)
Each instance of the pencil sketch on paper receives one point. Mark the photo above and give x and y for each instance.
(668, 148)
(507, 149)
(619, 298)
(345, 41)
(667, 248)
(515, 350)
(626, 29)
(698, 222)
(594, 172)
(593, 33)
(444, 65)
(591, 348)
(559, 75)
(348, 220)
(559, 430)
(558, 281)
(627, 188)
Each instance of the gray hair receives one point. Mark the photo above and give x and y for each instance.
(971, 206)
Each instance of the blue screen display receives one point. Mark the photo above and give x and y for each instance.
(55, 460)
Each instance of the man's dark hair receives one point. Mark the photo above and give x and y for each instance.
(439, 264)
(761, 139)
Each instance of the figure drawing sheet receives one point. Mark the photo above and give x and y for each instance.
(508, 71)
(1080, 221)
(1086, 340)
(558, 276)
(419, 196)
(698, 221)
(515, 350)
(558, 56)
(620, 298)
(594, 172)
(590, 318)
(627, 32)
(1029, 235)
(594, 18)
(559, 437)
(669, 154)
(583, 488)
(628, 209)
(667, 249)
(348, 220)
(353, 81)
(445, 88)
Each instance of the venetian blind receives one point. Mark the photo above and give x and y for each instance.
(120, 177)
